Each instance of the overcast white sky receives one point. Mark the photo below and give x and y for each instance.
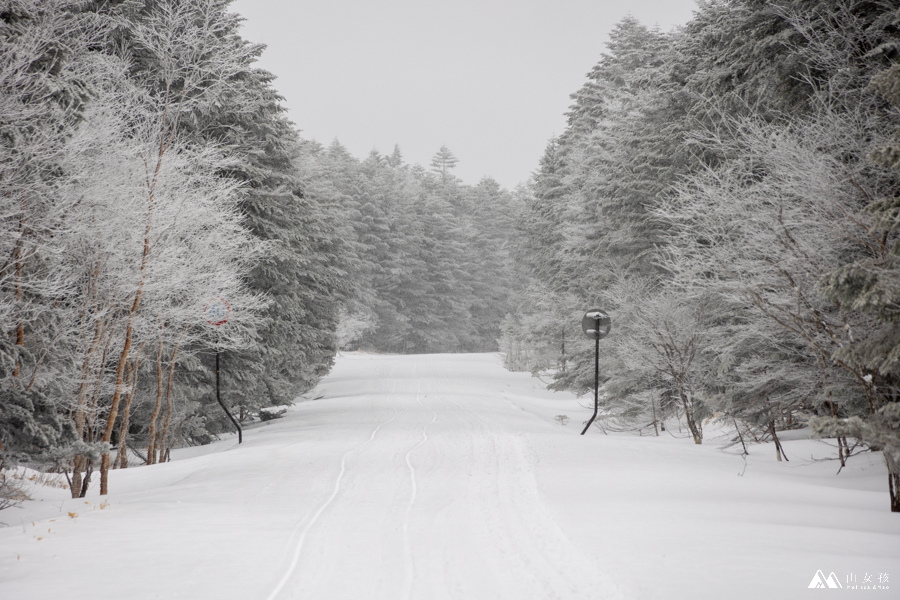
(490, 79)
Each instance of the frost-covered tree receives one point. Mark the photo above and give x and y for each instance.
(234, 107)
(183, 69)
(872, 286)
(762, 229)
(723, 162)
(121, 225)
(443, 162)
(44, 85)
(588, 221)
(193, 247)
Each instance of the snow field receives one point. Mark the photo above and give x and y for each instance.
(444, 476)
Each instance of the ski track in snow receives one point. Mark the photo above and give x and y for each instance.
(298, 550)
(414, 490)
(537, 560)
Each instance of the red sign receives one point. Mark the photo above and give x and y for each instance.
(216, 311)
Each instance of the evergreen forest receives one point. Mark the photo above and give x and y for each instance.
(728, 192)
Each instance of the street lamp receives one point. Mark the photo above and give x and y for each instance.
(216, 311)
(596, 325)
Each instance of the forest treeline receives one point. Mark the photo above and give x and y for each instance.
(147, 173)
(428, 258)
(728, 193)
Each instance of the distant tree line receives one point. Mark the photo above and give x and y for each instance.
(728, 192)
(430, 267)
(147, 169)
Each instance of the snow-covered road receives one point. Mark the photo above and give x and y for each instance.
(444, 476)
(434, 497)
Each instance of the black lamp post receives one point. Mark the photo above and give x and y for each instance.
(596, 325)
(217, 311)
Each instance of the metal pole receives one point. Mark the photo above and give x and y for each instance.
(222, 404)
(596, 379)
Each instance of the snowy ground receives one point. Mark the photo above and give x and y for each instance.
(430, 477)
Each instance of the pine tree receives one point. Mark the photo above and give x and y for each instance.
(443, 162)
(45, 85)
(872, 286)
(590, 218)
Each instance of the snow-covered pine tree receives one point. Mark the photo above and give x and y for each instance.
(872, 285)
(443, 162)
(589, 221)
(44, 86)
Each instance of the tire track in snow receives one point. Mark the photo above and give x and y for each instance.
(298, 550)
(287, 454)
(508, 506)
(407, 547)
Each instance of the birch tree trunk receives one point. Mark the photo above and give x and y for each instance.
(129, 331)
(122, 451)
